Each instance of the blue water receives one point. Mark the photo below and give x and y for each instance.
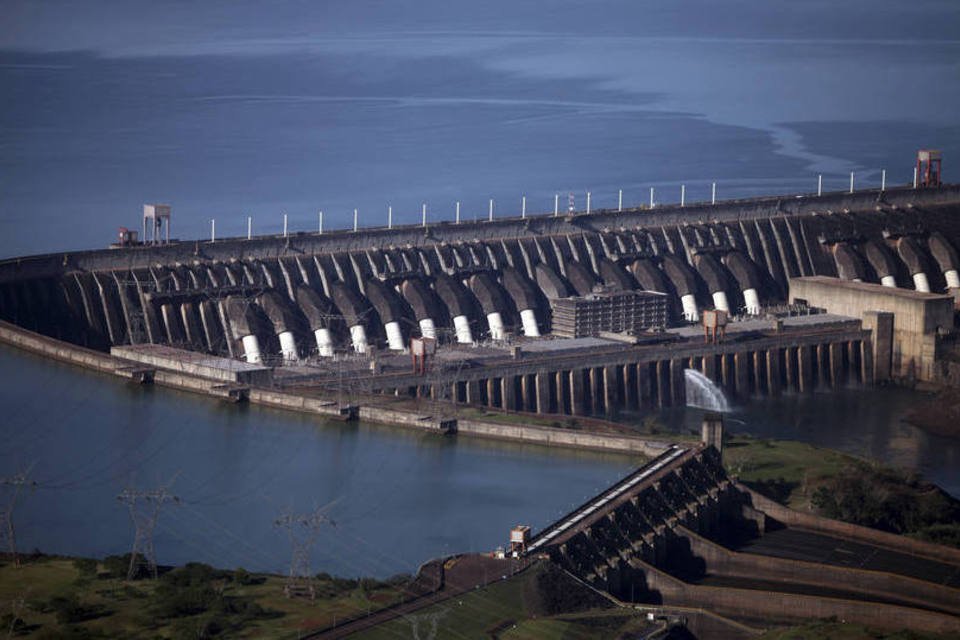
(229, 109)
(396, 497)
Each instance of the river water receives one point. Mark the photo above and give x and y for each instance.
(862, 422)
(227, 110)
(396, 497)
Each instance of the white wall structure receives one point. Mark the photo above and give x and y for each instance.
(324, 342)
(953, 280)
(462, 327)
(251, 349)
(394, 336)
(720, 301)
(529, 320)
(752, 301)
(428, 329)
(495, 320)
(288, 346)
(690, 311)
(358, 336)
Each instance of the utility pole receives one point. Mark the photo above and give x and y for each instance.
(144, 509)
(12, 486)
(302, 530)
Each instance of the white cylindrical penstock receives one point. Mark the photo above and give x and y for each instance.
(358, 336)
(394, 336)
(495, 320)
(720, 301)
(889, 281)
(690, 311)
(428, 329)
(752, 301)
(251, 349)
(529, 320)
(953, 280)
(921, 283)
(288, 346)
(324, 342)
(462, 327)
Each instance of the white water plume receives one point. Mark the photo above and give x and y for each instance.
(703, 393)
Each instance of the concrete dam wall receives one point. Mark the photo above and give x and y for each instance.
(286, 298)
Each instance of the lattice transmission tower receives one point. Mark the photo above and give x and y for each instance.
(144, 509)
(302, 530)
(13, 487)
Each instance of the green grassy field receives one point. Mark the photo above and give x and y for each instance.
(785, 470)
(525, 607)
(55, 599)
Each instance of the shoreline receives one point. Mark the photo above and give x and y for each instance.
(377, 411)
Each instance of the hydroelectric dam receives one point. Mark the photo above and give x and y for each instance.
(567, 313)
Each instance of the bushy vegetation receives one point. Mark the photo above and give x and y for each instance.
(87, 598)
(197, 591)
(889, 500)
(559, 593)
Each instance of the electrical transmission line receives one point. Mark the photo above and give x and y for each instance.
(144, 509)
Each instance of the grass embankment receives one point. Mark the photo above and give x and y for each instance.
(843, 487)
(78, 598)
(784, 470)
(542, 603)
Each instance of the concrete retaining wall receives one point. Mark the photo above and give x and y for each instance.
(552, 436)
(812, 522)
(722, 561)
(406, 419)
(98, 361)
(789, 606)
(57, 350)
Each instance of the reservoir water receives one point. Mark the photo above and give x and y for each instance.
(226, 110)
